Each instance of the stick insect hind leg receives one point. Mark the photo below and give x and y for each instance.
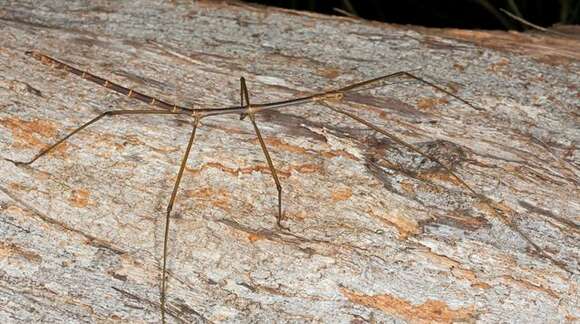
(245, 102)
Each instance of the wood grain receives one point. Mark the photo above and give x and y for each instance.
(379, 234)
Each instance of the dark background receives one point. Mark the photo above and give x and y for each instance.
(471, 14)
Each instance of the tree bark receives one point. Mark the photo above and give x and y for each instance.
(378, 233)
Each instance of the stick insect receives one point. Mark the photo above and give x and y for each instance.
(247, 108)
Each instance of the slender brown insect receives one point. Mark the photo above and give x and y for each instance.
(249, 109)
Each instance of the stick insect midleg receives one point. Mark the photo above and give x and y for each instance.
(249, 109)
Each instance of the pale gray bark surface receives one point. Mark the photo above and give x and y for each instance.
(377, 232)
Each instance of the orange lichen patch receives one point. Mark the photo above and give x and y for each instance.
(441, 175)
(341, 194)
(329, 73)
(19, 187)
(431, 311)
(10, 249)
(307, 168)
(459, 67)
(297, 216)
(134, 271)
(236, 171)
(407, 186)
(395, 217)
(41, 175)
(103, 139)
(496, 209)
(481, 285)
(23, 131)
(456, 268)
(530, 286)
(80, 198)
(499, 65)
(428, 103)
(342, 153)
(460, 219)
(217, 197)
(280, 145)
(255, 237)
(263, 168)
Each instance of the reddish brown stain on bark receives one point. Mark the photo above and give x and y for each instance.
(341, 194)
(8, 250)
(279, 144)
(217, 197)
(499, 65)
(428, 103)
(255, 237)
(408, 186)
(341, 153)
(431, 311)
(32, 134)
(405, 225)
(302, 168)
(79, 198)
(530, 286)
(441, 175)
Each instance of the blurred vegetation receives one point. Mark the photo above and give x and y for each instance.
(472, 14)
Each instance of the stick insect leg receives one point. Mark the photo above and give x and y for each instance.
(359, 85)
(481, 197)
(245, 98)
(87, 124)
(169, 208)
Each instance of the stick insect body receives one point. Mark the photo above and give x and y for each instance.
(249, 109)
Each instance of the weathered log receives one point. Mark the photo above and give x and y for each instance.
(378, 233)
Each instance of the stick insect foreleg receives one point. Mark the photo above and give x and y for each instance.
(359, 85)
(87, 124)
(167, 216)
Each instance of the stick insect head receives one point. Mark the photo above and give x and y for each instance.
(244, 94)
